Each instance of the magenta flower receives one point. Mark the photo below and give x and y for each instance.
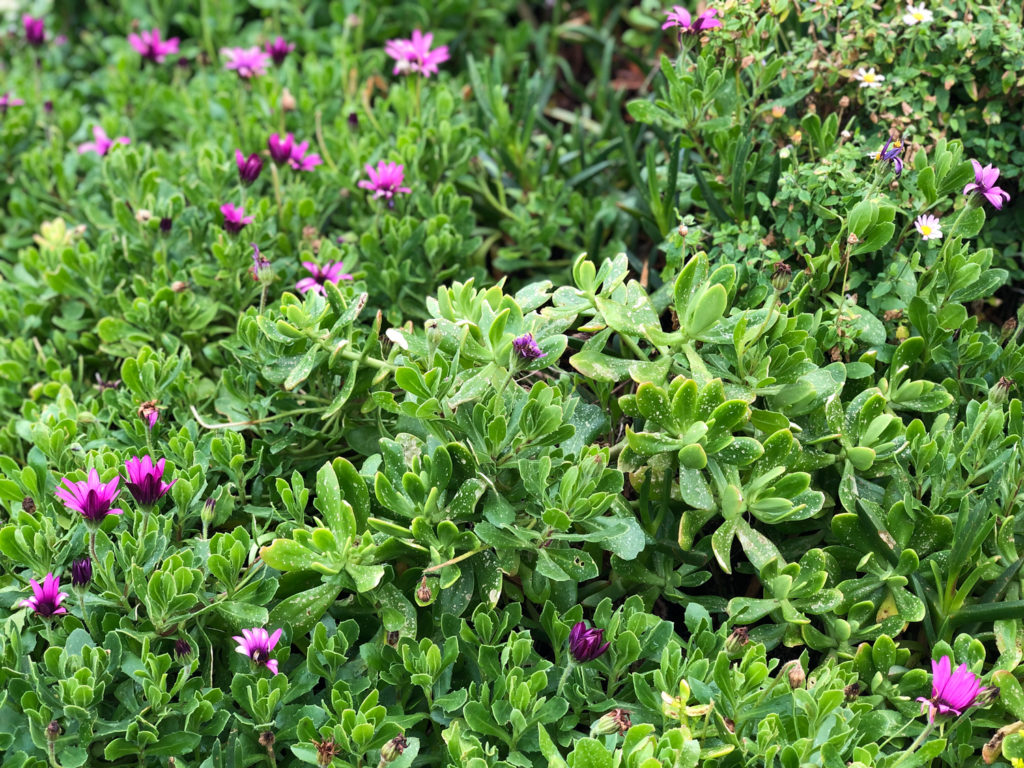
(985, 184)
(249, 168)
(527, 348)
(46, 597)
(257, 645)
(952, 692)
(300, 161)
(235, 218)
(151, 47)
(415, 56)
(281, 149)
(102, 143)
(279, 50)
(90, 497)
(35, 30)
(386, 181)
(8, 100)
(585, 644)
(331, 272)
(247, 62)
(680, 17)
(145, 480)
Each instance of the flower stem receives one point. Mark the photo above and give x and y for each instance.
(565, 677)
(92, 547)
(917, 743)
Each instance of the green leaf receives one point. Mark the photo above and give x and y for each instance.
(288, 555)
(301, 611)
(969, 223)
(590, 753)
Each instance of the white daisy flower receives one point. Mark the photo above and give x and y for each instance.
(929, 228)
(868, 78)
(917, 14)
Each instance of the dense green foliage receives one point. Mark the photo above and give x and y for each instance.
(772, 447)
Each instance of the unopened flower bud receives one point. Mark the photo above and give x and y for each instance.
(683, 230)
(81, 573)
(852, 239)
(844, 102)
(852, 691)
(796, 137)
(165, 224)
(1000, 391)
(781, 276)
(179, 286)
(28, 504)
(796, 675)
(142, 215)
(1007, 330)
(616, 721)
(182, 649)
(902, 333)
(737, 639)
(393, 749)
(208, 512)
(778, 111)
(267, 740)
(53, 730)
(287, 101)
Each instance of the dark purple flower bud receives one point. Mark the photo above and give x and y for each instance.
(586, 644)
(35, 30)
(527, 348)
(165, 224)
(53, 730)
(81, 572)
(150, 413)
(249, 168)
(279, 50)
(182, 649)
(28, 504)
(393, 749)
(281, 148)
(353, 120)
(48, 106)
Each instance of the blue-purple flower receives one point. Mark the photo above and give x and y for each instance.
(81, 572)
(985, 184)
(279, 50)
(890, 153)
(527, 348)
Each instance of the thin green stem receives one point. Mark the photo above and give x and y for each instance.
(569, 667)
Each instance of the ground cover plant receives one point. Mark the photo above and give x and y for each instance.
(570, 385)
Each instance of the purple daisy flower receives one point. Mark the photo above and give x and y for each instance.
(281, 149)
(247, 62)
(890, 153)
(46, 597)
(680, 18)
(386, 181)
(586, 644)
(91, 497)
(952, 691)
(151, 47)
(279, 50)
(414, 55)
(35, 30)
(8, 100)
(235, 218)
(527, 348)
(985, 184)
(300, 161)
(249, 168)
(102, 143)
(145, 480)
(257, 645)
(331, 272)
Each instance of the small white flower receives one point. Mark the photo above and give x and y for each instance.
(868, 78)
(917, 14)
(929, 228)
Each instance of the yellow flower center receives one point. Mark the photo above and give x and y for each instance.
(926, 230)
(869, 77)
(918, 15)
